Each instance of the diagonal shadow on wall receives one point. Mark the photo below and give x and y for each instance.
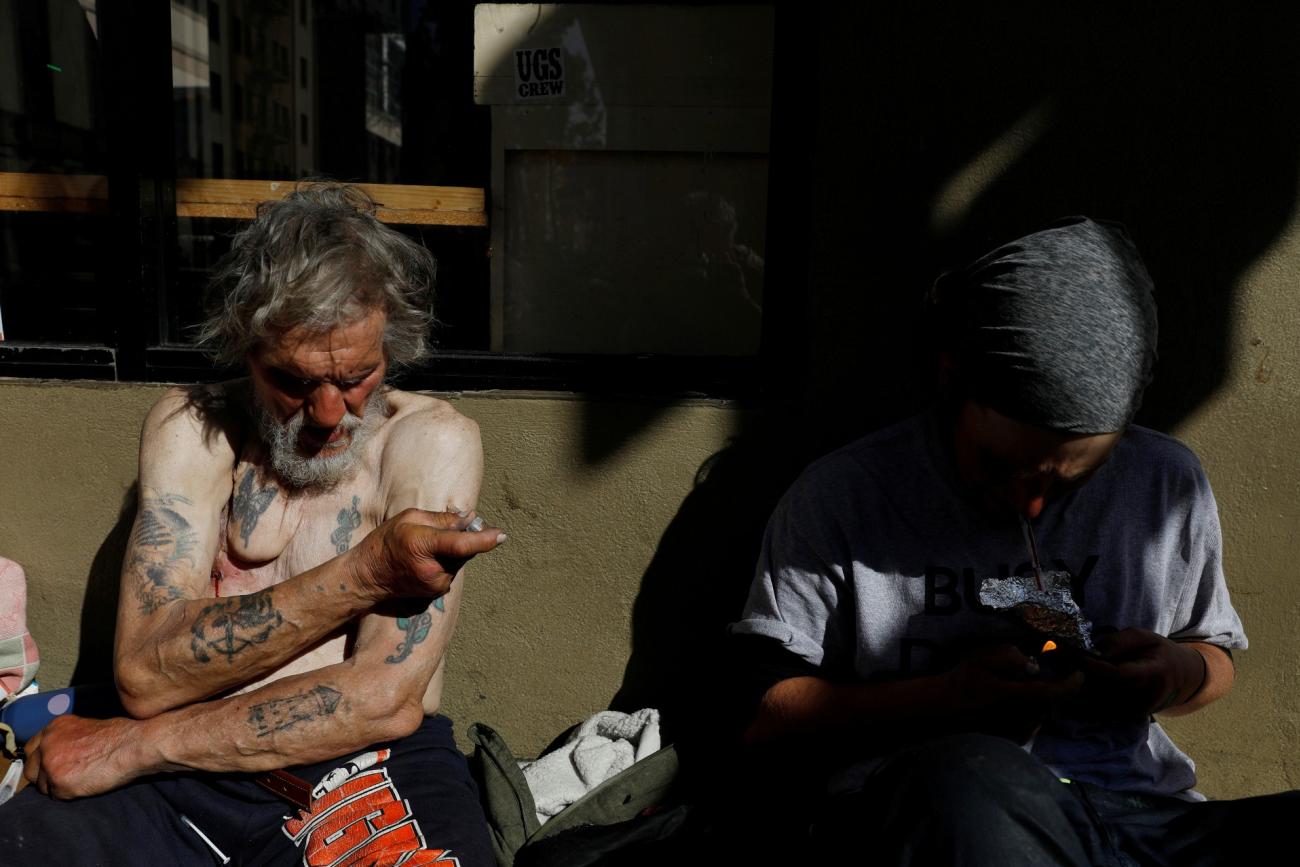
(99, 604)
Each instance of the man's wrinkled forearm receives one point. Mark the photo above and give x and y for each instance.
(297, 720)
(197, 648)
(192, 649)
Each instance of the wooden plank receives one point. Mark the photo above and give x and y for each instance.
(57, 206)
(238, 200)
(397, 197)
(63, 194)
(417, 217)
(32, 185)
(405, 217)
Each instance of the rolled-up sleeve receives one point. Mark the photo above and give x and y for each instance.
(798, 594)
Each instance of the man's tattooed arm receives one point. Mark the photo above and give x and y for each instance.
(333, 711)
(177, 644)
(416, 630)
(282, 714)
(162, 548)
(228, 627)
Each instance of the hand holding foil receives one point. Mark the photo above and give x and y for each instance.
(1138, 673)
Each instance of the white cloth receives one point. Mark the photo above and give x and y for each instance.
(603, 746)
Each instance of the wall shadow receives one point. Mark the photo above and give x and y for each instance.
(947, 129)
(700, 575)
(99, 605)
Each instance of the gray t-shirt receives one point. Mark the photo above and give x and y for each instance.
(872, 561)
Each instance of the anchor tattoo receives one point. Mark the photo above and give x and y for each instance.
(233, 625)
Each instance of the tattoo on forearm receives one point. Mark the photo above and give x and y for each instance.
(280, 714)
(349, 520)
(230, 626)
(161, 543)
(250, 502)
(416, 629)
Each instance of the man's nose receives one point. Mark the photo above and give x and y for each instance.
(325, 406)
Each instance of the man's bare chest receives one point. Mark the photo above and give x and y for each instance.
(270, 534)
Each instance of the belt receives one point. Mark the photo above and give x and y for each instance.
(293, 789)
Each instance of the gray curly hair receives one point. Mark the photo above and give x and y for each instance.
(318, 259)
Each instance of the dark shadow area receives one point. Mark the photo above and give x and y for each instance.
(910, 138)
(99, 605)
(603, 441)
(1179, 121)
(699, 577)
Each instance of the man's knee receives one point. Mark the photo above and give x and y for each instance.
(970, 799)
(957, 768)
(958, 786)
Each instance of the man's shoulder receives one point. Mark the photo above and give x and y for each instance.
(886, 449)
(859, 471)
(206, 418)
(1158, 454)
(431, 457)
(423, 426)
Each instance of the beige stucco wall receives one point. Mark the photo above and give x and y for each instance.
(584, 493)
(1248, 437)
(587, 488)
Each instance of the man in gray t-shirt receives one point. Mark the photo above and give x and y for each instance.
(867, 587)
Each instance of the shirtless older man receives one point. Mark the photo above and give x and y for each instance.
(288, 591)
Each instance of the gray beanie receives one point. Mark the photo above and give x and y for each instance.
(1057, 329)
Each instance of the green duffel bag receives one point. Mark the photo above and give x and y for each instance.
(630, 808)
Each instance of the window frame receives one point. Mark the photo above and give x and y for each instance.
(135, 40)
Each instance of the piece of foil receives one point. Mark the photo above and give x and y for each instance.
(1051, 611)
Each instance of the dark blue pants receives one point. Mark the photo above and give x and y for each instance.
(978, 800)
(422, 796)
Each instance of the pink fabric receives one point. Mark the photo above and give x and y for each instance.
(19, 657)
(13, 599)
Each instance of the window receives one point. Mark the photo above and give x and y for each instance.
(625, 242)
(56, 248)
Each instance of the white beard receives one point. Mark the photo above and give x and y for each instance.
(318, 471)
